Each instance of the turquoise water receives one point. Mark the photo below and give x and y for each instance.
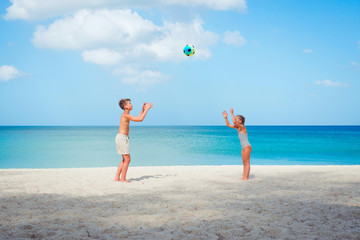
(64, 147)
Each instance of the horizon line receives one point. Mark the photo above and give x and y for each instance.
(255, 125)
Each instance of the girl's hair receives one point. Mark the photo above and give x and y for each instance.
(242, 118)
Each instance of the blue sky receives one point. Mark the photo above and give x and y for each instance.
(275, 62)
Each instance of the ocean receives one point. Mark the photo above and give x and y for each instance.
(74, 147)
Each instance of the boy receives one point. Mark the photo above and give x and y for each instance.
(122, 138)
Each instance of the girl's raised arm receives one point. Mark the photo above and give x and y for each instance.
(232, 115)
(226, 120)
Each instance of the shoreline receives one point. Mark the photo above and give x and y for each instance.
(182, 202)
(191, 166)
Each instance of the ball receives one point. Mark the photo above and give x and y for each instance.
(189, 50)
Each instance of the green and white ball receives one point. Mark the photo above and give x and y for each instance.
(189, 50)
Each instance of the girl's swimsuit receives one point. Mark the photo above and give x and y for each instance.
(244, 141)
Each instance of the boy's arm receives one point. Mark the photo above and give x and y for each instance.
(141, 116)
(143, 108)
(232, 115)
(138, 118)
(227, 121)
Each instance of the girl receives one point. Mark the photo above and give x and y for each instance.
(239, 122)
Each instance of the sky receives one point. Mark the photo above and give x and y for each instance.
(276, 62)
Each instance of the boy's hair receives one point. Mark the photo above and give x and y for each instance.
(123, 101)
(242, 118)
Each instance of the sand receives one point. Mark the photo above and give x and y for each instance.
(182, 202)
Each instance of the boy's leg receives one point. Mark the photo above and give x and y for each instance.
(246, 162)
(125, 167)
(118, 172)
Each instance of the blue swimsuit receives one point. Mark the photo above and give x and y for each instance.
(244, 141)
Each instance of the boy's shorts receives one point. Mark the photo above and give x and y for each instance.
(122, 144)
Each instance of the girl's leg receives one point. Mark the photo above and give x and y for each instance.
(118, 172)
(245, 153)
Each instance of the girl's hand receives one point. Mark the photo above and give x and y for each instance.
(231, 111)
(143, 108)
(224, 114)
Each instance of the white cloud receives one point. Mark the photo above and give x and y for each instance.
(354, 65)
(170, 41)
(125, 32)
(101, 56)
(328, 83)
(307, 50)
(234, 38)
(8, 72)
(42, 9)
(88, 29)
(142, 78)
(113, 37)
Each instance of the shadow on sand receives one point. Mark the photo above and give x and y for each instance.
(146, 177)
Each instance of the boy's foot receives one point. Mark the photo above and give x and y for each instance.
(117, 179)
(242, 179)
(126, 181)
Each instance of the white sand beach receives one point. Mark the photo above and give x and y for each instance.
(182, 202)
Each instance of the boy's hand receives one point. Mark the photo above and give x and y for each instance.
(143, 108)
(224, 114)
(231, 111)
(148, 106)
